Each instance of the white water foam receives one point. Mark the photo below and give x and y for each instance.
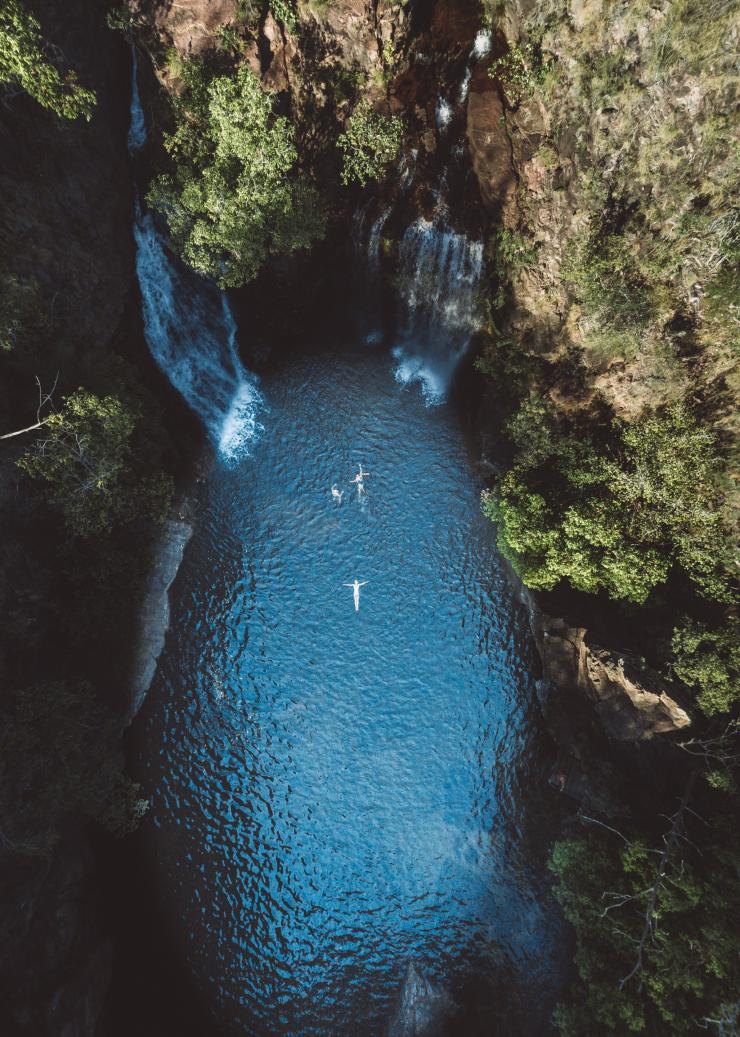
(443, 113)
(481, 47)
(482, 43)
(190, 329)
(191, 334)
(440, 271)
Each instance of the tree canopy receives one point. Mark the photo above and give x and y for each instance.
(24, 60)
(83, 457)
(233, 198)
(616, 514)
(57, 762)
(654, 952)
(369, 143)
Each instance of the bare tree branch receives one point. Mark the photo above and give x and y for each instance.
(670, 843)
(44, 399)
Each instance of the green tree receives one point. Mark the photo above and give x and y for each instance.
(657, 947)
(521, 70)
(58, 761)
(83, 456)
(233, 199)
(368, 144)
(24, 61)
(614, 514)
(23, 319)
(709, 660)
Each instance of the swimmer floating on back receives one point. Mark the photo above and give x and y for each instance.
(337, 494)
(356, 591)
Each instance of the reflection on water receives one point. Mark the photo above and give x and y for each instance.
(335, 794)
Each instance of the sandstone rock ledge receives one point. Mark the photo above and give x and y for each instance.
(631, 702)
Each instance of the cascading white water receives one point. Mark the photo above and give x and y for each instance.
(190, 329)
(137, 126)
(191, 334)
(440, 271)
(443, 113)
(481, 47)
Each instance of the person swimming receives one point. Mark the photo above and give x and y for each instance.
(356, 591)
(337, 494)
(359, 481)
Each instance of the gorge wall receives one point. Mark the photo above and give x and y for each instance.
(67, 263)
(534, 153)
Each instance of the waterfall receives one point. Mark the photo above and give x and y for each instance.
(191, 334)
(481, 47)
(137, 127)
(440, 271)
(190, 329)
(442, 113)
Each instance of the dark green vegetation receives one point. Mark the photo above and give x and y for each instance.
(235, 194)
(28, 62)
(231, 200)
(708, 660)
(621, 416)
(616, 492)
(520, 70)
(615, 512)
(658, 950)
(369, 144)
(57, 762)
(83, 488)
(94, 500)
(83, 457)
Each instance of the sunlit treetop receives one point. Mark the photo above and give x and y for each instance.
(24, 62)
(234, 196)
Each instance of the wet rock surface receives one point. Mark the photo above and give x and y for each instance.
(154, 615)
(422, 1007)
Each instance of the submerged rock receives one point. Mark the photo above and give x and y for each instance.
(422, 1007)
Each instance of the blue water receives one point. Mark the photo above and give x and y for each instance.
(335, 793)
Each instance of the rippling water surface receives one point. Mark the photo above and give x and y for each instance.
(335, 794)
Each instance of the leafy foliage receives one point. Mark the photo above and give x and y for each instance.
(615, 515)
(709, 660)
(509, 252)
(22, 317)
(521, 69)
(690, 965)
(24, 60)
(284, 11)
(83, 458)
(369, 143)
(57, 762)
(603, 269)
(232, 200)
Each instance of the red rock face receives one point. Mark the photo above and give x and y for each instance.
(489, 145)
(455, 22)
(192, 25)
(631, 702)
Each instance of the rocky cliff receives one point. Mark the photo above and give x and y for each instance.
(66, 274)
(534, 118)
(621, 112)
(600, 134)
